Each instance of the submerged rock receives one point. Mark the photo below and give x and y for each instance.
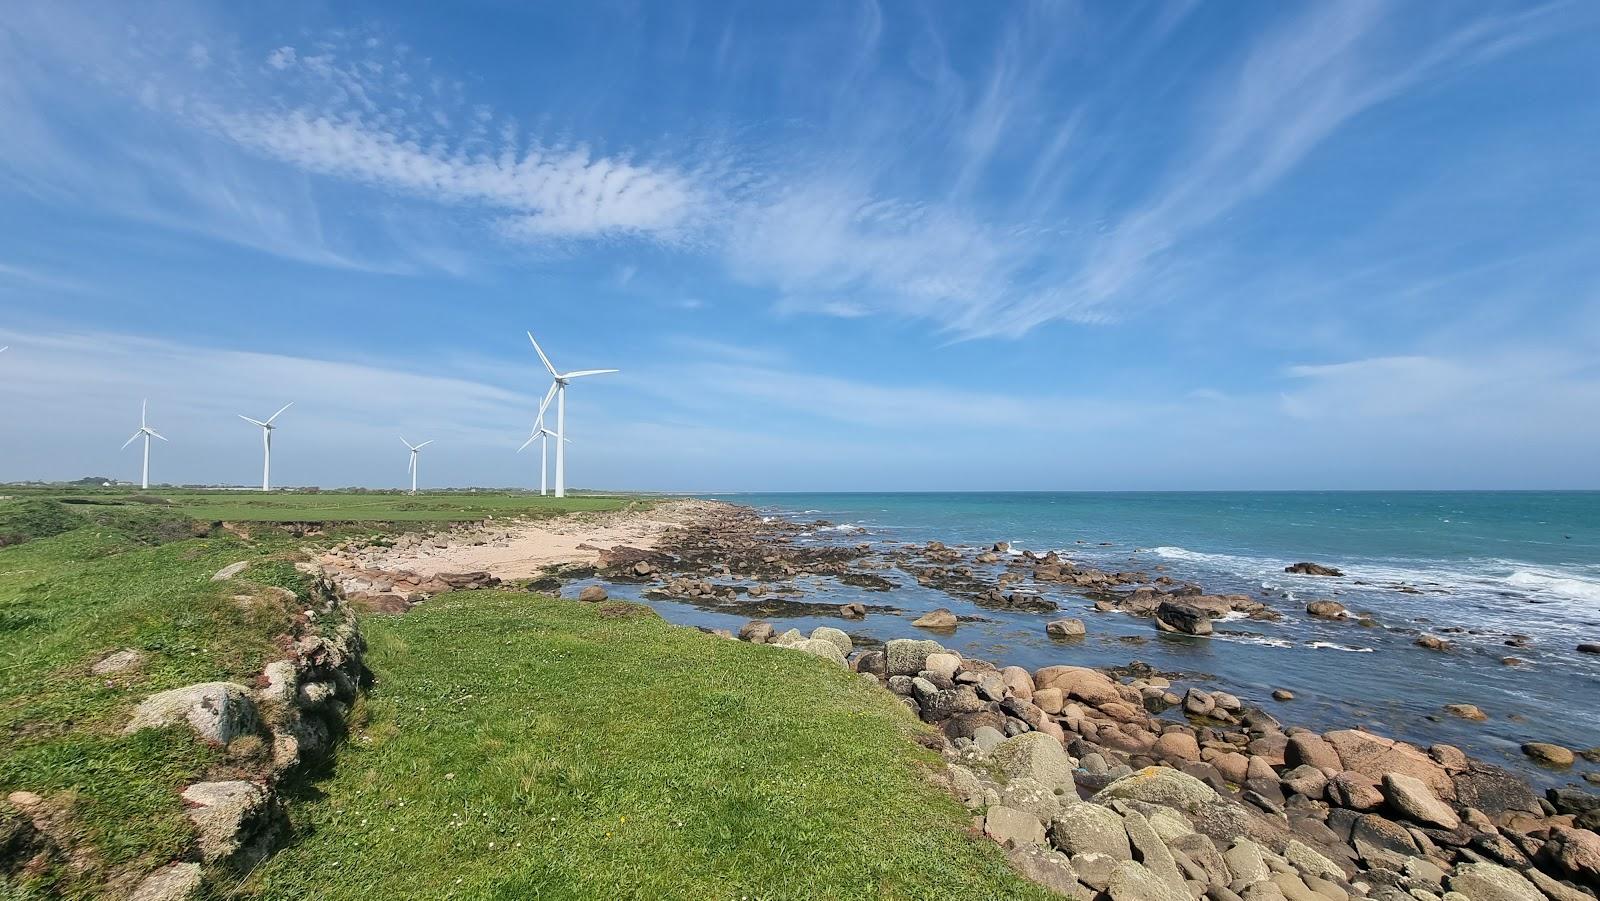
(940, 619)
(1311, 569)
(1549, 754)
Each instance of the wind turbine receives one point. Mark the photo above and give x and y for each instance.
(558, 389)
(415, 448)
(539, 431)
(266, 443)
(147, 433)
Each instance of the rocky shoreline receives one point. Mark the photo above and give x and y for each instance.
(1120, 784)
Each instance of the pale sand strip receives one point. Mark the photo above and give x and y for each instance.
(531, 546)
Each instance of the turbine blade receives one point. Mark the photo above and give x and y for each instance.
(583, 372)
(144, 407)
(405, 442)
(252, 421)
(423, 444)
(133, 439)
(528, 442)
(157, 434)
(548, 397)
(411, 467)
(280, 412)
(540, 351)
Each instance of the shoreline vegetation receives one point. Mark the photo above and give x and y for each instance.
(513, 744)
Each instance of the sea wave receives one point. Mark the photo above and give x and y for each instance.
(1330, 646)
(1559, 584)
(1479, 575)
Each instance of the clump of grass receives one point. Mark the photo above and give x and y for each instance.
(517, 746)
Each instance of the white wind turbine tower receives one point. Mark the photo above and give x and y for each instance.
(266, 443)
(542, 434)
(415, 449)
(558, 389)
(147, 433)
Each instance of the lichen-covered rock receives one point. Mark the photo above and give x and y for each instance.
(1491, 882)
(906, 656)
(1159, 785)
(819, 647)
(177, 882)
(1309, 860)
(1010, 826)
(1044, 867)
(229, 571)
(218, 712)
(837, 636)
(1133, 882)
(1034, 755)
(236, 821)
(117, 662)
(1086, 828)
(1416, 802)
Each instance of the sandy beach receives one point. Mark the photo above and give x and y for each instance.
(525, 549)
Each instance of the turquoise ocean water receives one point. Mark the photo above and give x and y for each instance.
(1496, 565)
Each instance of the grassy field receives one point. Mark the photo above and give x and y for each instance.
(517, 746)
(93, 580)
(333, 506)
(513, 746)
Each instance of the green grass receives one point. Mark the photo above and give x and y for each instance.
(90, 581)
(517, 746)
(514, 746)
(333, 506)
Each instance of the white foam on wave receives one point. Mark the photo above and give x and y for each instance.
(1252, 638)
(1575, 585)
(1561, 585)
(1330, 646)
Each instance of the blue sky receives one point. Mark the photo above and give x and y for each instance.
(845, 246)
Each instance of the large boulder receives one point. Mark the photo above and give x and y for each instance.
(1087, 828)
(1079, 683)
(837, 636)
(1492, 882)
(236, 821)
(1133, 882)
(1042, 866)
(218, 712)
(906, 656)
(1011, 827)
(940, 620)
(1065, 628)
(1373, 756)
(819, 647)
(1034, 755)
(1577, 853)
(1185, 619)
(1159, 785)
(1495, 791)
(1416, 802)
(1149, 847)
(1311, 569)
(1311, 749)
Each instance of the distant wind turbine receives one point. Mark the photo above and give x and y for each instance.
(266, 443)
(415, 449)
(542, 435)
(147, 433)
(558, 390)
